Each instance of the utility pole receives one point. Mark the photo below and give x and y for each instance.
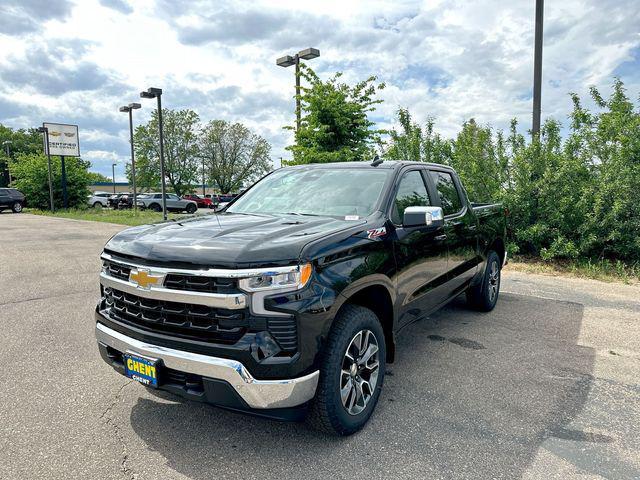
(45, 130)
(6, 144)
(157, 94)
(287, 61)
(113, 176)
(129, 109)
(203, 190)
(537, 69)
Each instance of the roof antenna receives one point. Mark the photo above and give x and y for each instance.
(376, 161)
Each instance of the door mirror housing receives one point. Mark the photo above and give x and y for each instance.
(423, 217)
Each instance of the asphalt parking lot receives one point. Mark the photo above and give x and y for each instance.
(545, 386)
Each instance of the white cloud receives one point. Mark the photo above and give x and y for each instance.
(452, 60)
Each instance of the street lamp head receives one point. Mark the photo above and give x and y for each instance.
(151, 93)
(134, 106)
(285, 61)
(309, 53)
(124, 109)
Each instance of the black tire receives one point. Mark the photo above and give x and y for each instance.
(484, 296)
(191, 208)
(16, 207)
(155, 207)
(97, 205)
(327, 411)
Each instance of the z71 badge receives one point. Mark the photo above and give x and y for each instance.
(376, 232)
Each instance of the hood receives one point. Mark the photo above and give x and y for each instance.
(229, 240)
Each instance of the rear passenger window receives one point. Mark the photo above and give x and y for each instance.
(447, 191)
(411, 193)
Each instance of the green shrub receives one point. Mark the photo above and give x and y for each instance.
(31, 177)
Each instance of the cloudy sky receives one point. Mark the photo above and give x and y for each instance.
(78, 61)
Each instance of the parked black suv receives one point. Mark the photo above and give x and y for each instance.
(287, 304)
(10, 198)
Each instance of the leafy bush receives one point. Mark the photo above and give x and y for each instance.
(568, 199)
(30, 172)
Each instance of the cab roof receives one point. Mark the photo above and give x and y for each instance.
(387, 164)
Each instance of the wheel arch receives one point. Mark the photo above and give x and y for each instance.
(378, 297)
(498, 246)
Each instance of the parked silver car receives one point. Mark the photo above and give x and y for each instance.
(99, 199)
(153, 201)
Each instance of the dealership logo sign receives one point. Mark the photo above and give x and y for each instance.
(63, 139)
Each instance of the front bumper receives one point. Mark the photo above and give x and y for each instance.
(253, 394)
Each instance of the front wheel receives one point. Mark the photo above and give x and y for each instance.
(16, 207)
(155, 207)
(191, 208)
(484, 296)
(351, 373)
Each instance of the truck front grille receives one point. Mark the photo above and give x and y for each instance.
(197, 322)
(116, 270)
(195, 283)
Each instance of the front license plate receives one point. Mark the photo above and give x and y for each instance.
(140, 369)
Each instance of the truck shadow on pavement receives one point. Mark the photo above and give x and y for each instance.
(471, 395)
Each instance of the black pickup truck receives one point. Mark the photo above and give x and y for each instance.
(287, 303)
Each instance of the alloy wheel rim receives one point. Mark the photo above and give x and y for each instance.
(494, 280)
(18, 207)
(359, 373)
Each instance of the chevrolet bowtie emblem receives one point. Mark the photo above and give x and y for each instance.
(143, 279)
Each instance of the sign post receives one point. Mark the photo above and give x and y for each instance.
(62, 140)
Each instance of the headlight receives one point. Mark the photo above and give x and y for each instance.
(294, 279)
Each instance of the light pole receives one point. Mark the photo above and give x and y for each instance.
(203, 190)
(113, 176)
(45, 130)
(537, 69)
(157, 93)
(129, 109)
(6, 144)
(287, 61)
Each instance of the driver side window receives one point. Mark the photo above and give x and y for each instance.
(412, 192)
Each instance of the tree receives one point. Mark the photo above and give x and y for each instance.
(568, 199)
(232, 155)
(180, 151)
(30, 172)
(22, 142)
(474, 156)
(335, 127)
(95, 177)
(412, 143)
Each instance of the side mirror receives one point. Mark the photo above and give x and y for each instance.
(423, 217)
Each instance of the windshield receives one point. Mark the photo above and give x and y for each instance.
(315, 191)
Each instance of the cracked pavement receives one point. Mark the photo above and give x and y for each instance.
(546, 386)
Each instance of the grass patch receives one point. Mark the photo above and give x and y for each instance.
(604, 270)
(123, 217)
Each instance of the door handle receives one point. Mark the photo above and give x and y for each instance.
(440, 238)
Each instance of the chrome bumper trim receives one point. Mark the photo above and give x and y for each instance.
(257, 393)
(232, 301)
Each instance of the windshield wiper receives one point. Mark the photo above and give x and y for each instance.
(302, 214)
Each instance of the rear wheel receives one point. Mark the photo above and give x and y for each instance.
(155, 207)
(191, 208)
(484, 296)
(97, 205)
(16, 207)
(351, 373)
